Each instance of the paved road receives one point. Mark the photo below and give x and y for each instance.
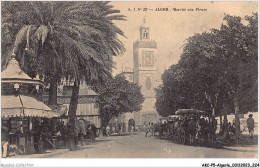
(138, 146)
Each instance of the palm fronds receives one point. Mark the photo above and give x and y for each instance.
(72, 38)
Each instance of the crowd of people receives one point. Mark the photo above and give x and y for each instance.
(149, 129)
(229, 129)
(82, 130)
(47, 130)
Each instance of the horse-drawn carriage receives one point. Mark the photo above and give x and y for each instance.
(161, 127)
(190, 126)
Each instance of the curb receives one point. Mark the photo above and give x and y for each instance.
(54, 153)
(240, 149)
(43, 155)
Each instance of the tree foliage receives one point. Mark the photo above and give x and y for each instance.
(118, 96)
(216, 69)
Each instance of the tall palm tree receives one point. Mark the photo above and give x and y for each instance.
(61, 40)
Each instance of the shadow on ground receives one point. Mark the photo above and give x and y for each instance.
(83, 147)
(100, 140)
(123, 134)
(245, 144)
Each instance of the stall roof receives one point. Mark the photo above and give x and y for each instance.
(20, 106)
(10, 102)
(14, 71)
(32, 103)
(14, 74)
(189, 111)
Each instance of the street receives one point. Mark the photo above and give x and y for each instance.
(139, 146)
(83, 83)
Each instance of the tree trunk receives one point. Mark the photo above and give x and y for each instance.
(53, 90)
(213, 114)
(72, 114)
(237, 122)
(101, 126)
(221, 122)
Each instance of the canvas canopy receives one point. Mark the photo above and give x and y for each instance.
(189, 111)
(22, 106)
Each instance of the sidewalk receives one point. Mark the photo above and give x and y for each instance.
(245, 145)
(53, 152)
(47, 154)
(248, 148)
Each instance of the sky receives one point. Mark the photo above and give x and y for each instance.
(171, 28)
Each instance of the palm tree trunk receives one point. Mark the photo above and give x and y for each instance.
(72, 114)
(53, 90)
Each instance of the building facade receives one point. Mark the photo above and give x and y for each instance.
(87, 107)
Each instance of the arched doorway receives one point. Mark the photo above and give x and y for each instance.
(131, 125)
(148, 83)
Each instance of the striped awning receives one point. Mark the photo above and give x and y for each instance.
(24, 106)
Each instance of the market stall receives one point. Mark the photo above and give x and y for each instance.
(22, 112)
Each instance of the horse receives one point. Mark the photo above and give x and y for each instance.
(170, 128)
(191, 130)
(177, 130)
(202, 131)
(157, 129)
(212, 127)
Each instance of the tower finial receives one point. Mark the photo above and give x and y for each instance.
(145, 14)
(13, 54)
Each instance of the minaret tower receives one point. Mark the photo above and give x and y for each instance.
(145, 69)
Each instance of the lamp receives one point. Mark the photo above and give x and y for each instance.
(37, 87)
(37, 78)
(16, 86)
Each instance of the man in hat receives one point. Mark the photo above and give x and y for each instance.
(93, 131)
(251, 125)
(82, 130)
(4, 140)
(107, 130)
(214, 127)
(146, 129)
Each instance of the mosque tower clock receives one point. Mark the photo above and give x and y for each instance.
(145, 69)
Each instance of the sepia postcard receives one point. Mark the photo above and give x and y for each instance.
(114, 83)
